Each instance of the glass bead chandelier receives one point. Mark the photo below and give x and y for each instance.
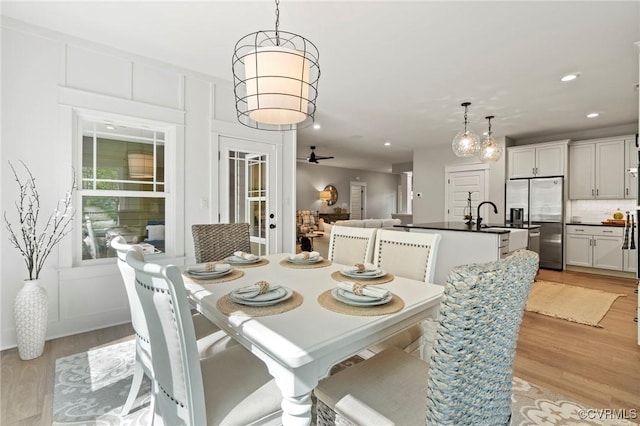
(275, 75)
(490, 150)
(466, 143)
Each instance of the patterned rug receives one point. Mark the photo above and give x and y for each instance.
(91, 387)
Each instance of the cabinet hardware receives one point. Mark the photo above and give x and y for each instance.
(597, 192)
(592, 193)
(607, 231)
(626, 191)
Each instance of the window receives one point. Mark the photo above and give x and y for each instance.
(123, 186)
(248, 195)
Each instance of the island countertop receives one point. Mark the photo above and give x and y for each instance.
(489, 228)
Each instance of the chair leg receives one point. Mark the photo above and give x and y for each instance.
(138, 374)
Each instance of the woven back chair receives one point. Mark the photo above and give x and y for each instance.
(468, 381)
(216, 241)
(210, 338)
(231, 387)
(350, 245)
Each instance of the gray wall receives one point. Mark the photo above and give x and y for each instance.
(429, 174)
(312, 178)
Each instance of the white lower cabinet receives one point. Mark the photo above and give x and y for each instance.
(595, 247)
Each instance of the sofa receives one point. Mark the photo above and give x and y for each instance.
(321, 244)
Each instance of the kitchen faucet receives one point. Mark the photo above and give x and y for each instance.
(478, 218)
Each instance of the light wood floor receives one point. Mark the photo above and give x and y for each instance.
(597, 366)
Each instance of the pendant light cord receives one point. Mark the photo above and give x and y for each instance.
(489, 118)
(277, 22)
(465, 118)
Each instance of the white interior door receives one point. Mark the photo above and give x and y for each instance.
(358, 200)
(248, 188)
(459, 184)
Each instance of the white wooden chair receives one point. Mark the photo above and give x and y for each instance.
(210, 338)
(410, 255)
(350, 245)
(231, 387)
(468, 381)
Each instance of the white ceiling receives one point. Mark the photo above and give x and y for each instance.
(398, 71)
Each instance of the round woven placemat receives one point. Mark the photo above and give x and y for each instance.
(229, 307)
(386, 278)
(261, 262)
(327, 301)
(233, 275)
(323, 263)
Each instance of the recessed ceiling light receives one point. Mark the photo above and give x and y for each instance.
(109, 126)
(593, 115)
(387, 143)
(570, 77)
(316, 126)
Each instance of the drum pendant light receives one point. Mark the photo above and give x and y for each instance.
(490, 150)
(275, 75)
(465, 144)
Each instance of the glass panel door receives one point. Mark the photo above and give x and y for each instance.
(247, 182)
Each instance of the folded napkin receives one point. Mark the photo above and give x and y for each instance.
(365, 267)
(251, 291)
(245, 256)
(210, 267)
(305, 255)
(147, 248)
(363, 290)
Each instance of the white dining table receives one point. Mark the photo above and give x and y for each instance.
(300, 346)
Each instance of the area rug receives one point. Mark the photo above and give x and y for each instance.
(571, 303)
(91, 387)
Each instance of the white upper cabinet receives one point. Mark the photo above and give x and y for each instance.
(597, 169)
(545, 159)
(630, 160)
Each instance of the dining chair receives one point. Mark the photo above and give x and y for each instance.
(468, 381)
(230, 387)
(350, 245)
(216, 241)
(410, 255)
(210, 338)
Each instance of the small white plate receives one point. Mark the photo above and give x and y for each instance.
(349, 272)
(266, 299)
(306, 261)
(236, 259)
(335, 293)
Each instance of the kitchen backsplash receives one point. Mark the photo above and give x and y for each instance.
(595, 211)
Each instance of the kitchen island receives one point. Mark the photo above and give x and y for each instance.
(462, 244)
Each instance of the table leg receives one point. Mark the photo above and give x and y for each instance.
(296, 388)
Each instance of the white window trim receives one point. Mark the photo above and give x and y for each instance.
(174, 214)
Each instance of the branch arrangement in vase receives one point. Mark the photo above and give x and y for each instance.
(34, 244)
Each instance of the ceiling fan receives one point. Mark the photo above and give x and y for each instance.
(313, 158)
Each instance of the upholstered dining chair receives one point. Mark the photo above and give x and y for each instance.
(215, 241)
(231, 387)
(468, 380)
(210, 338)
(350, 245)
(411, 255)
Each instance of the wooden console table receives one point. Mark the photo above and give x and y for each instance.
(332, 217)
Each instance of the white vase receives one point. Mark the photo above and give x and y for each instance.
(31, 312)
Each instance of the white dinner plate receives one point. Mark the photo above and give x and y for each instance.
(356, 298)
(201, 275)
(306, 261)
(335, 293)
(266, 299)
(236, 259)
(350, 272)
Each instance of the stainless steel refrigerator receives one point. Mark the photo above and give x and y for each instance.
(543, 202)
